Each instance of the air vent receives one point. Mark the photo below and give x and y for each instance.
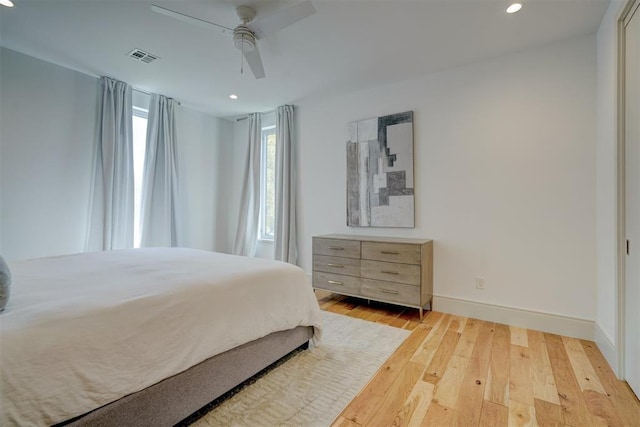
(142, 56)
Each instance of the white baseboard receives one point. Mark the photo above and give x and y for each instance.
(546, 322)
(606, 346)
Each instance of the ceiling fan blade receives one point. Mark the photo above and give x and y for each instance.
(190, 19)
(272, 23)
(255, 63)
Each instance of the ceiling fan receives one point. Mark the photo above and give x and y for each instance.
(246, 35)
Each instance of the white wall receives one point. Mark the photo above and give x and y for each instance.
(205, 148)
(505, 173)
(48, 116)
(47, 131)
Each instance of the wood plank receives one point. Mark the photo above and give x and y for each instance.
(359, 312)
(625, 402)
(494, 415)
(344, 422)
(602, 407)
(436, 368)
(431, 318)
(389, 317)
(520, 386)
(377, 317)
(438, 415)
(344, 306)
(519, 336)
(574, 407)
(548, 414)
(425, 353)
(411, 325)
(390, 406)
(415, 407)
(468, 339)
(446, 393)
(365, 402)
(469, 405)
(398, 322)
(584, 372)
(412, 317)
(497, 389)
(328, 301)
(544, 385)
(521, 415)
(458, 323)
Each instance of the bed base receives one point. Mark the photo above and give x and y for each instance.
(176, 398)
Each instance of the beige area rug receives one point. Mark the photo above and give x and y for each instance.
(314, 386)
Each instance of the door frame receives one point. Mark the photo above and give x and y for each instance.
(632, 6)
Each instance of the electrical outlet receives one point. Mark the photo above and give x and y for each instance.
(479, 282)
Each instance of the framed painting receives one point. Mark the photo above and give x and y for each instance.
(380, 186)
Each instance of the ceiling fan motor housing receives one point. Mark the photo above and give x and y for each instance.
(244, 39)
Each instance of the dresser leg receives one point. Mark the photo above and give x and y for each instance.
(421, 314)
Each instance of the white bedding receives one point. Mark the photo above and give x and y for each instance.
(83, 330)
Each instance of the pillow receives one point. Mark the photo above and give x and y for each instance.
(5, 283)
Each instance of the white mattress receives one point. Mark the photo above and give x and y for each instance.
(83, 330)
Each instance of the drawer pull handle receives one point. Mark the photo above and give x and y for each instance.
(389, 291)
(390, 272)
(333, 282)
(390, 252)
(336, 248)
(335, 265)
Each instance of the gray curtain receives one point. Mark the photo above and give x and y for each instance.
(111, 210)
(285, 236)
(249, 215)
(160, 214)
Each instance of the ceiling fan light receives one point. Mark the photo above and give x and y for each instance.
(7, 3)
(244, 45)
(514, 7)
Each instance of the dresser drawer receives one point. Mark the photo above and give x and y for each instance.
(336, 247)
(392, 271)
(391, 252)
(391, 292)
(336, 282)
(337, 265)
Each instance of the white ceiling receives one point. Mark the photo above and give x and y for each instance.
(346, 45)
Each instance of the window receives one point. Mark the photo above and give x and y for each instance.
(268, 183)
(139, 148)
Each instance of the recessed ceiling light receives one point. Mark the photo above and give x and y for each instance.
(514, 7)
(7, 3)
(232, 96)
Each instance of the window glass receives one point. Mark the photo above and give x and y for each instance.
(139, 148)
(268, 196)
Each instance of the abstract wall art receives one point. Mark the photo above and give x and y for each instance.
(380, 187)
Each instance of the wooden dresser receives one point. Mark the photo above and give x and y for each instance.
(397, 271)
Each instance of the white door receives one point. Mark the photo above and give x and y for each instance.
(632, 199)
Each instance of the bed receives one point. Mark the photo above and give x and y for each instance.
(143, 335)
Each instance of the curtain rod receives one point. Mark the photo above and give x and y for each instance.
(149, 93)
(262, 112)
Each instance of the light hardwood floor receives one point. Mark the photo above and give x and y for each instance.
(459, 371)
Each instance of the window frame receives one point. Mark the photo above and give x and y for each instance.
(264, 135)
